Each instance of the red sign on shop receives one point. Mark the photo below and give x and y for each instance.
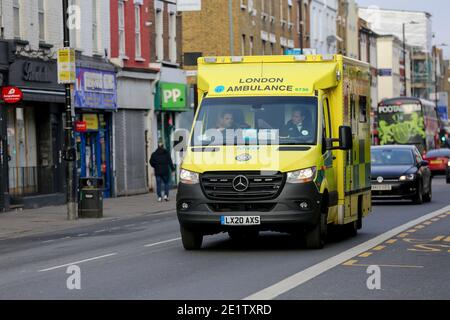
(80, 126)
(11, 94)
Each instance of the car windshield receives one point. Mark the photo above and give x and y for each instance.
(438, 153)
(392, 157)
(256, 121)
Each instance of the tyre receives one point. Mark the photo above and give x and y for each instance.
(191, 240)
(418, 198)
(448, 179)
(243, 236)
(351, 229)
(429, 195)
(316, 237)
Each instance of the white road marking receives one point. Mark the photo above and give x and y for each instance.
(48, 241)
(303, 276)
(161, 242)
(83, 234)
(129, 225)
(78, 262)
(98, 231)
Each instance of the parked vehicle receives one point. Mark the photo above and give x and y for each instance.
(399, 172)
(264, 153)
(439, 161)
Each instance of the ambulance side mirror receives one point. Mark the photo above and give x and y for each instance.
(345, 138)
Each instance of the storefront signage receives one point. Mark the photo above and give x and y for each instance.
(385, 72)
(35, 71)
(66, 66)
(173, 96)
(95, 89)
(80, 126)
(91, 120)
(11, 94)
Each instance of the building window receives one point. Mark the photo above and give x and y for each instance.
(94, 26)
(121, 28)
(16, 14)
(243, 45)
(263, 51)
(271, 48)
(159, 35)
(137, 30)
(173, 37)
(251, 45)
(41, 16)
(281, 11)
(289, 12)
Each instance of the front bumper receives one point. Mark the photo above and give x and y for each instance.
(282, 214)
(400, 190)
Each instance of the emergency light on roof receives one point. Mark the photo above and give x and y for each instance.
(327, 57)
(237, 59)
(210, 60)
(300, 58)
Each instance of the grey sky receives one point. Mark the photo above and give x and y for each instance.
(440, 9)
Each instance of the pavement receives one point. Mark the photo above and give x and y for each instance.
(22, 223)
(141, 257)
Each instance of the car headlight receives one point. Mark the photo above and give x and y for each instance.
(301, 176)
(188, 177)
(448, 163)
(409, 177)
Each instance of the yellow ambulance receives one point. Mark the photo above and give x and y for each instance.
(279, 143)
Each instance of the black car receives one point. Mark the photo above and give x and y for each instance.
(399, 172)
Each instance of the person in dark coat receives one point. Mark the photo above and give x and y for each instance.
(161, 161)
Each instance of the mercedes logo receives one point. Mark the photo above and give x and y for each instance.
(380, 179)
(240, 183)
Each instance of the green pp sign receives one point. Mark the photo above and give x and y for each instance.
(173, 96)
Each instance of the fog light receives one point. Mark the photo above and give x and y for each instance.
(304, 205)
(185, 206)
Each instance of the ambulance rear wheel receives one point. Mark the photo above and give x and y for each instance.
(191, 240)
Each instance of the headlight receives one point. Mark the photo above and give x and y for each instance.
(188, 177)
(301, 176)
(409, 177)
(448, 163)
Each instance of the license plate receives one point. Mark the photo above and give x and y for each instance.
(382, 187)
(240, 220)
(436, 162)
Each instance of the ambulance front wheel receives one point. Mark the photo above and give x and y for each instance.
(191, 240)
(316, 237)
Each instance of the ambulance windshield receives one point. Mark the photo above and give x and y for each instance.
(256, 121)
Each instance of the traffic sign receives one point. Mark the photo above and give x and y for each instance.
(11, 94)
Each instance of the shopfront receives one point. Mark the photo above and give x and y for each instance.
(95, 98)
(172, 110)
(35, 135)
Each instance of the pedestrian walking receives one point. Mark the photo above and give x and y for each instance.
(161, 161)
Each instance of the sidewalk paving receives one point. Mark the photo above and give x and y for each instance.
(22, 223)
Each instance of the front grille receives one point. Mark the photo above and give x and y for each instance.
(235, 207)
(262, 186)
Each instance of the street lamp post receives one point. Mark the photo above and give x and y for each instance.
(404, 51)
(70, 153)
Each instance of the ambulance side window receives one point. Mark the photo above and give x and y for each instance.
(327, 118)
